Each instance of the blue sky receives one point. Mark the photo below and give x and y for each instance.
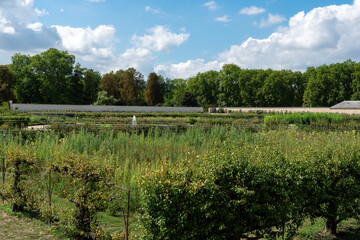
(178, 39)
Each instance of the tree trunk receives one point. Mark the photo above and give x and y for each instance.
(331, 225)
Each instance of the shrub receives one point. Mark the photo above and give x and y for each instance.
(89, 180)
(20, 162)
(267, 186)
(304, 118)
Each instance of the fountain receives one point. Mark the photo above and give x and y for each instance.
(133, 123)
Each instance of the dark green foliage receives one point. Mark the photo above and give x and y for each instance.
(109, 85)
(91, 82)
(7, 84)
(132, 87)
(188, 99)
(329, 85)
(54, 69)
(205, 86)
(76, 91)
(277, 90)
(174, 89)
(229, 89)
(53, 77)
(154, 90)
(104, 99)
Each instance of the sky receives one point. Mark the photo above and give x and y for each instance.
(179, 39)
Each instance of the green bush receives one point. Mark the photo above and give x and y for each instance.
(267, 187)
(20, 163)
(89, 180)
(304, 118)
(15, 120)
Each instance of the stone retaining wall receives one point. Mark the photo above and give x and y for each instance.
(90, 108)
(289, 109)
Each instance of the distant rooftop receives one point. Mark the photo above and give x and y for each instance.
(347, 105)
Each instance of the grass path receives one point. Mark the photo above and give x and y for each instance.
(12, 227)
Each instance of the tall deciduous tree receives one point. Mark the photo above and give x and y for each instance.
(109, 85)
(154, 90)
(28, 86)
(54, 68)
(174, 89)
(132, 87)
(277, 89)
(205, 86)
(7, 84)
(91, 86)
(229, 86)
(75, 86)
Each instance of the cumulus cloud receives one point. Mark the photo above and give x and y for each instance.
(17, 12)
(187, 69)
(139, 58)
(19, 33)
(25, 39)
(4, 26)
(211, 5)
(322, 36)
(160, 39)
(41, 13)
(224, 19)
(36, 27)
(253, 10)
(94, 47)
(271, 20)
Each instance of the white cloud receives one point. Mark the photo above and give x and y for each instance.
(322, 36)
(88, 43)
(253, 10)
(187, 69)
(161, 39)
(18, 32)
(17, 12)
(224, 18)
(271, 20)
(155, 11)
(139, 58)
(7, 30)
(95, 48)
(41, 13)
(97, 0)
(61, 10)
(211, 5)
(4, 26)
(36, 27)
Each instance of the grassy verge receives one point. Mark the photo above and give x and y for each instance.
(22, 226)
(348, 230)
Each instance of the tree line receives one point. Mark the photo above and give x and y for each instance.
(55, 77)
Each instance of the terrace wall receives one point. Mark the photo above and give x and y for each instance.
(90, 108)
(290, 109)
